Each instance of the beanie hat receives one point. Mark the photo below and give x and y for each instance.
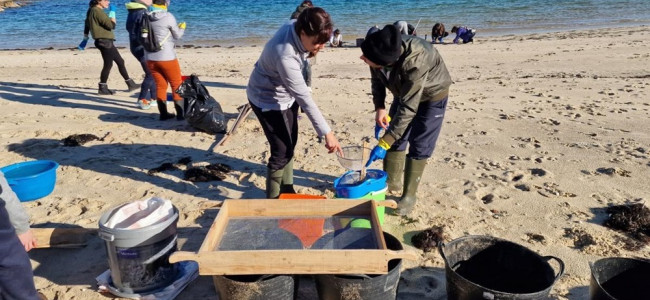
(383, 47)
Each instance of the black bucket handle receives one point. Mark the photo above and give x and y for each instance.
(560, 263)
(162, 252)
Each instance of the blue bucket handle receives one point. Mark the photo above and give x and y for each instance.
(162, 252)
(560, 263)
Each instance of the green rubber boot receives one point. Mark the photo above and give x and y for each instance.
(273, 183)
(394, 166)
(412, 175)
(287, 179)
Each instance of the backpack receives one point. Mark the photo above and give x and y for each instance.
(147, 37)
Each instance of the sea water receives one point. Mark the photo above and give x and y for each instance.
(60, 23)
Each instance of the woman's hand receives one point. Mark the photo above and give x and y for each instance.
(27, 239)
(332, 144)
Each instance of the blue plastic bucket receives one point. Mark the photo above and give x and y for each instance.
(31, 180)
(373, 187)
(349, 186)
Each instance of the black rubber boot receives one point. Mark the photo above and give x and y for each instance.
(412, 175)
(287, 179)
(103, 89)
(273, 183)
(179, 105)
(132, 86)
(394, 166)
(162, 108)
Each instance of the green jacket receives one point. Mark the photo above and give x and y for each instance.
(419, 75)
(99, 24)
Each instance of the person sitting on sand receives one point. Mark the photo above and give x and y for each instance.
(277, 88)
(100, 26)
(336, 40)
(463, 33)
(438, 32)
(16, 238)
(417, 77)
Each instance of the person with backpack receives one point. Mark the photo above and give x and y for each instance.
(277, 89)
(137, 11)
(161, 57)
(100, 25)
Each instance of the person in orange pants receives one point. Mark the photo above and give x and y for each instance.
(167, 73)
(163, 63)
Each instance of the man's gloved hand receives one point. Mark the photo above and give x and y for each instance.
(378, 128)
(82, 45)
(111, 11)
(182, 25)
(379, 152)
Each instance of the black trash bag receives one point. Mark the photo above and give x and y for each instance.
(202, 111)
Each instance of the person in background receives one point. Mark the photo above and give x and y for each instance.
(300, 8)
(100, 26)
(336, 40)
(372, 30)
(402, 27)
(306, 68)
(163, 64)
(463, 33)
(438, 33)
(416, 75)
(276, 89)
(137, 10)
(16, 238)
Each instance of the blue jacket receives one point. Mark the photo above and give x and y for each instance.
(463, 33)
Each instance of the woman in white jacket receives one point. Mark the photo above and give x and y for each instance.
(163, 64)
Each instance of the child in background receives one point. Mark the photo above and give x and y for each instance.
(463, 32)
(336, 40)
(438, 33)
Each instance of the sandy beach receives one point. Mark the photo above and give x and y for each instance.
(542, 133)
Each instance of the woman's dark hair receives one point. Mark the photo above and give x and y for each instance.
(454, 29)
(315, 21)
(93, 3)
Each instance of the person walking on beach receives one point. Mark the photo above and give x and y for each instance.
(137, 10)
(163, 64)
(16, 238)
(463, 33)
(416, 75)
(276, 89)
(100, 26)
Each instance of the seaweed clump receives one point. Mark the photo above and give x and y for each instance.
(634, 220)
(428, 239)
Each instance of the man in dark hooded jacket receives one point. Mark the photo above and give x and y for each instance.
(417, 77)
